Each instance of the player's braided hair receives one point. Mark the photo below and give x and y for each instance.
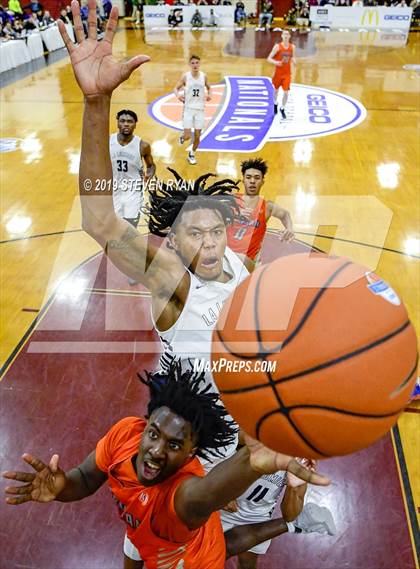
(168, 201)
(182, 392)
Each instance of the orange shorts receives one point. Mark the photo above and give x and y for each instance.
(282, 81)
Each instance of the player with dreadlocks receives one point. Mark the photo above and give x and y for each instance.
(191, 277)
(151, 466)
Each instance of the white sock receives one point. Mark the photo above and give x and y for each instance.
(290, 527)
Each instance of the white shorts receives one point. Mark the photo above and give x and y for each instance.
(193, 118)
(131, 551)
(234, 519)
(128, 203)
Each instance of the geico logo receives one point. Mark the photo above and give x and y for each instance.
(396, 17)
(155, 15)
(317, 109)
(370, 17)
(322, 12)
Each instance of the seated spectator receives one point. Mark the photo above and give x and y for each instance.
(107, 4)
(197, 20)
(161, 2)
(227, 3)
(303, 16)
(291, 16)
(402, 4)
(213, 18)
(239, 14)
(8, 31)
(4, 17)
(202, 3)
(34, 7)
(357, 3)
(47, 20)
(63, 16)
(19, 29)
(178, 3)
(15, 7)
(69, 13)
(32, 23)
(175, 18)
(266, 14)
(313, 3)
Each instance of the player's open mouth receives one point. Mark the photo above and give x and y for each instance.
(150, 470)
(210, 263)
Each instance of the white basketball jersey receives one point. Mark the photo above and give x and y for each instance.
(190, 337)
(126, 160)
(195, 91)
(259, 500)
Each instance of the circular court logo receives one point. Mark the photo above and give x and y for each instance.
(240, 117)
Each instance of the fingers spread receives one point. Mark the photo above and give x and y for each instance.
(17, 501)
(111, 25)
(92, 19)
(66, 38)
(77, 21)
(21, 476)
(27, 489)
(36, 464)
(132, 64)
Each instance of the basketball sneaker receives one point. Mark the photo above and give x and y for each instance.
(181, 139)
(191, 158)
(314, 518)
(282, 112)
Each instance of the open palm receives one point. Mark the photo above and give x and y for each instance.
(42, 486)
(96, 71)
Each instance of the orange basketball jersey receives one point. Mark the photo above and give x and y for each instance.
(284, 55)
(152, 524)
(246, 235)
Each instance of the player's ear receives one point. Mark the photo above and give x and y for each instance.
(173, 242)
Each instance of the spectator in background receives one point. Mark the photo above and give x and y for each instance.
(34, 7)
(8, 31)
(239, 14)
(64, 17)
(202, 3)
(32, 23)
(69, 13)
(47, 20)
(107, 4)
(15, 7)
(19, 29)
(213, 18)
(197, 20)
(136, 14)
(174, 18)
(266, 14)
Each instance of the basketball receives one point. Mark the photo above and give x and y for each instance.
(314, 356)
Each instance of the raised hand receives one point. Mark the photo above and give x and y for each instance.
(96, 71)
(266, 461)
(42, 486)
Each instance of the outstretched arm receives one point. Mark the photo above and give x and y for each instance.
(294, 495)
(274, 210)
(50, 482)
(98, 75)
(197, 498)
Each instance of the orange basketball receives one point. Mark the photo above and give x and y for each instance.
(315, 356)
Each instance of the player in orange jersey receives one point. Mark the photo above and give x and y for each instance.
(152, 469)
(283, 57)
(246, 234)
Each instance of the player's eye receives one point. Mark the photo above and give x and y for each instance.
(152, 434)
(174, 446)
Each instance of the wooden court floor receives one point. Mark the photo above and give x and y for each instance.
(370, 174)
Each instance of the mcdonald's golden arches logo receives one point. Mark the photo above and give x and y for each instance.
(370, 16)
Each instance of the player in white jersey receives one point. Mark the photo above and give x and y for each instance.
(191, 90)
(194, 222)
(257, 505)
(128, 152)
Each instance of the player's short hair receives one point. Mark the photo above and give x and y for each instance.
(168, 201)
(127, 112)
(182, 392)
(194, 57)
(255, 164)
